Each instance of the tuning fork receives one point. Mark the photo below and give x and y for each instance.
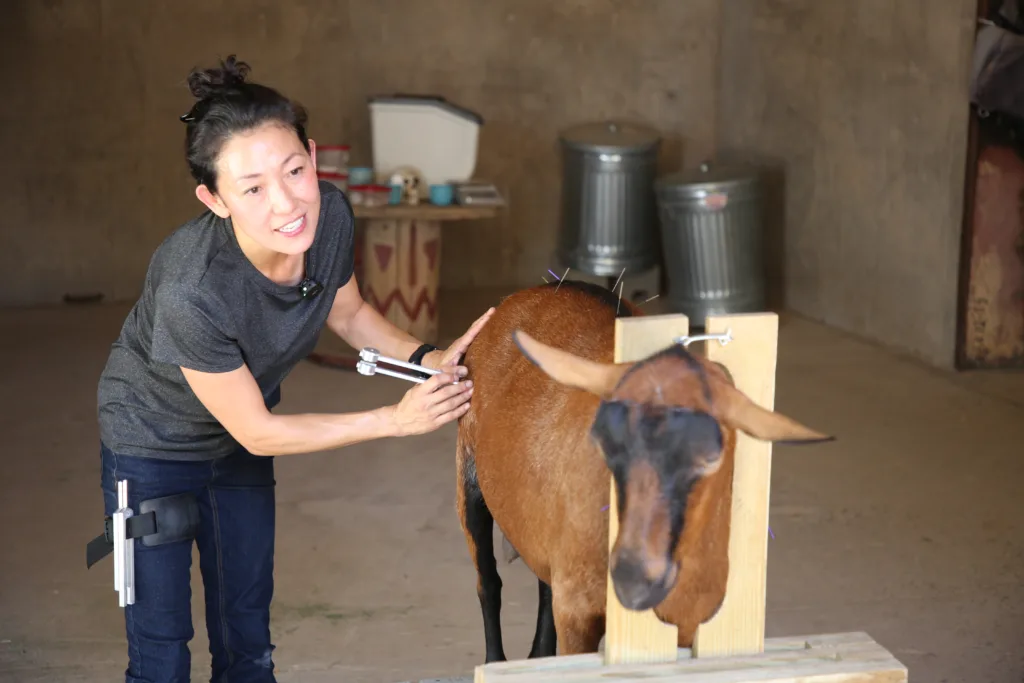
(369, 357)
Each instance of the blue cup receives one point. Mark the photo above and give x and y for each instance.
(441, 195)
(360, 175)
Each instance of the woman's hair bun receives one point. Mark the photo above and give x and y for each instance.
(203, 83)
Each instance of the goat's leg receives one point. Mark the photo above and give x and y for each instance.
(579, 625)
(544, 638)
(478, 527)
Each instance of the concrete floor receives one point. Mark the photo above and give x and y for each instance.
(908, 527)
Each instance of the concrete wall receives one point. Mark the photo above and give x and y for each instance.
(532, 68)
(862, 107)
(93, 91)
(859, 103)
(95, 175)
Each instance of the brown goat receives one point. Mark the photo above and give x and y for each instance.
(552, 418)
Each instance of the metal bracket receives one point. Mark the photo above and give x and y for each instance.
(723, 338)
(124, 548)
(369, 357)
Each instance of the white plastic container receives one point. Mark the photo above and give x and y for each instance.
(432, 135)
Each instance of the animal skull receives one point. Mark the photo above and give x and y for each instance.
(411, 182)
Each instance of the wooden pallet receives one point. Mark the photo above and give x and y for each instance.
(730, 648)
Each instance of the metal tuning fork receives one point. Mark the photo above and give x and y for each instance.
(124, 548)
(369, 357)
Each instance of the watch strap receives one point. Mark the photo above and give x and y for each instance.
(417, 356)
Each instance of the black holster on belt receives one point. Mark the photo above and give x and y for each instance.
(159, 521)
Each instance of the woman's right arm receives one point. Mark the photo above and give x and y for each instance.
(234, 399)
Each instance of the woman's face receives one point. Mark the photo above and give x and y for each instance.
(267, 184)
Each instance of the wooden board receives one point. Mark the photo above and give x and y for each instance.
(751, 356)
(632, 636)
(993, 326)
(834, 658)
(426, 212)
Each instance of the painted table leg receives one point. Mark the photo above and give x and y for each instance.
(401, 263)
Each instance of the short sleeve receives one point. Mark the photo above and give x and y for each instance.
(346, 250)
(189, 331)
(340, 220)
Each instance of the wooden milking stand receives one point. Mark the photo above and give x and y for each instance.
(730, 648)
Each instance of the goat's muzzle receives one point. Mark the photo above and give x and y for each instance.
(641, 585)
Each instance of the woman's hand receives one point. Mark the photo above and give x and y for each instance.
(448, 359)
(431, 404)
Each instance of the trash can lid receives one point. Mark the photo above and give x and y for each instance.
(709, 176)
(611, 136)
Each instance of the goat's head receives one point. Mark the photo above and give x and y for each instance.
(664, 425)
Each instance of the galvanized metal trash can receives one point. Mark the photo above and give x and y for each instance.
(609, 216)
(712, 235)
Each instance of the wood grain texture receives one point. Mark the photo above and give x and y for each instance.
(738, 627)
(833, 658)
(632, 636)
(994, 330)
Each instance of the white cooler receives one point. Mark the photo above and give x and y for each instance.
(434, 136)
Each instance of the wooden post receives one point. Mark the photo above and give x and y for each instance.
(751, 356)
(635, 637)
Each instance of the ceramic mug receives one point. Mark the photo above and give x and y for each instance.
(441, 195)
(360, 175)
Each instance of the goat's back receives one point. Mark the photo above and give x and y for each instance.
(541, 477)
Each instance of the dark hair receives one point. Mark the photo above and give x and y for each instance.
(226, 105)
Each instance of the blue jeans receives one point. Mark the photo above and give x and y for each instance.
(236, 559)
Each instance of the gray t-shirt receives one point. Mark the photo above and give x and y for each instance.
(205, 306)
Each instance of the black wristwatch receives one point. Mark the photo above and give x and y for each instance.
(417, 356)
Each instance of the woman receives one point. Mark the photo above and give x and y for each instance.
(232, 301)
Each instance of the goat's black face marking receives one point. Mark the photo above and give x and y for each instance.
(679, 444)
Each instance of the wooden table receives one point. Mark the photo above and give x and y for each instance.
(401, 261)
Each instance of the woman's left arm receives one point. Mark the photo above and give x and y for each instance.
(360, 325)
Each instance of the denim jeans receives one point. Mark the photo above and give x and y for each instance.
(235, 538)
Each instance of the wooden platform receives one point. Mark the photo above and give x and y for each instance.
(836, 658)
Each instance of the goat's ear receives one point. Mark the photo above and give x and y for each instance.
(738, 411)
(569, 369)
